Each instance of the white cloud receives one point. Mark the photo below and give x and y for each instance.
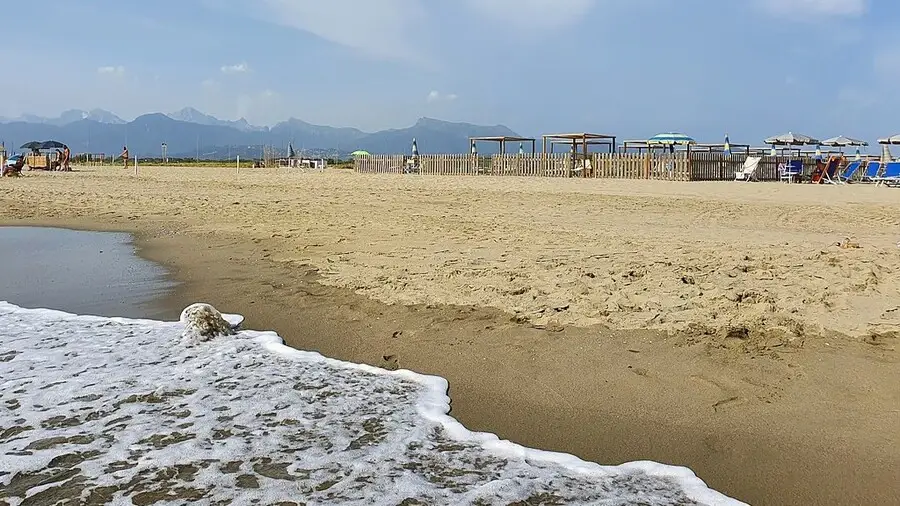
(533, 13)
(237, 68)
(382, 28)
(816, 7)
(111, 70)
(436, 96)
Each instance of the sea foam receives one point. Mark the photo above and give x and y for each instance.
(111, 410)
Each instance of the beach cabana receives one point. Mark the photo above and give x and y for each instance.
(502, 141)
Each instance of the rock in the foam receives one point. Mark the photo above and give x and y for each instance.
(203, 322)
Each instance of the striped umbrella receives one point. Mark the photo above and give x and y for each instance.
(894, 139)
(671, 139)
(727, 145)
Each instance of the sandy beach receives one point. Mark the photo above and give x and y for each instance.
(747, 331)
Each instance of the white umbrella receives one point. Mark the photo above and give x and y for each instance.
(792, 139)
(841, 141)
(894, 139)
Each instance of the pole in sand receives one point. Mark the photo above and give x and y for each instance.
(237, 168)
(135, 165)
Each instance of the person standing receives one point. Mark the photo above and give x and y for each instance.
(66, 154)
(125, 156)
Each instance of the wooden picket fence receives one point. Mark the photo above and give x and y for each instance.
(673, 167)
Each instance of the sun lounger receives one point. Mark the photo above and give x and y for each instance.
(872, 171)
(848, 173)
(791, 170)
(748, 171)
(826, 173)
(891, 175)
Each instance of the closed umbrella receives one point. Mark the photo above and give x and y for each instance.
(474, 149)
(727, 145)
(415, 148)
(521, 149)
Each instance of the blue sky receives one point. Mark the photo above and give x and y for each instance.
(629, 67)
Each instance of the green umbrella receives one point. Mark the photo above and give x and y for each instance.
(360, 152)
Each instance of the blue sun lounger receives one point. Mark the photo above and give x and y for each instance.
(891, 174)
(848, 173)
(872, 170)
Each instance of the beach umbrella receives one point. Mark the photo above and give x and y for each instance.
(474, 149)
(727, 145)
(415, 148)
(818, 153)
(894, 139)
(291, 153)
(52, 145)
(858, 156)
(521, 149)
(671, 139)
(842, 141)
(792, 139)
(360, 152)
(31, 145)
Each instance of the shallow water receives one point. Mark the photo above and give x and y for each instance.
(100, 410)
(79, 272)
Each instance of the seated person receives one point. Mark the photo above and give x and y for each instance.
(14, 168)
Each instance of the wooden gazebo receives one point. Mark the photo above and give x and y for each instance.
(502, 140)
(580, 140)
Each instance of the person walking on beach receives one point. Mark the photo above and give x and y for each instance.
(125, 156)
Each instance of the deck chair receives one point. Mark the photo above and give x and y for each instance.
(791, 170)
(872, 171)
(848, 173)
(748, 171)
(827, 173)
(891, 176)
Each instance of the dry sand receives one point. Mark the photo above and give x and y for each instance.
(748, 331)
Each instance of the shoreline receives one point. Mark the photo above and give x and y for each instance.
(786, 430)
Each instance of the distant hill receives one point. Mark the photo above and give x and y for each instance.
(191, 133)
(70, 116)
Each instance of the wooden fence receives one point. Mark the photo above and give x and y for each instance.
(675, 167)
(680, 166)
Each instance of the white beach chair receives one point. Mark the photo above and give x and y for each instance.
(748, 171)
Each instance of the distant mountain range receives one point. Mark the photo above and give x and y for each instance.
(191, 133)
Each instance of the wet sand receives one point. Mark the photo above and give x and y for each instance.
(780, 388)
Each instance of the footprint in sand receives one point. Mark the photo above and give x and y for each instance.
(390, 362)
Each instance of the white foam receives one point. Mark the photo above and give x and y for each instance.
(122, 404)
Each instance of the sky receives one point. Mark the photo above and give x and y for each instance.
(633, 68)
